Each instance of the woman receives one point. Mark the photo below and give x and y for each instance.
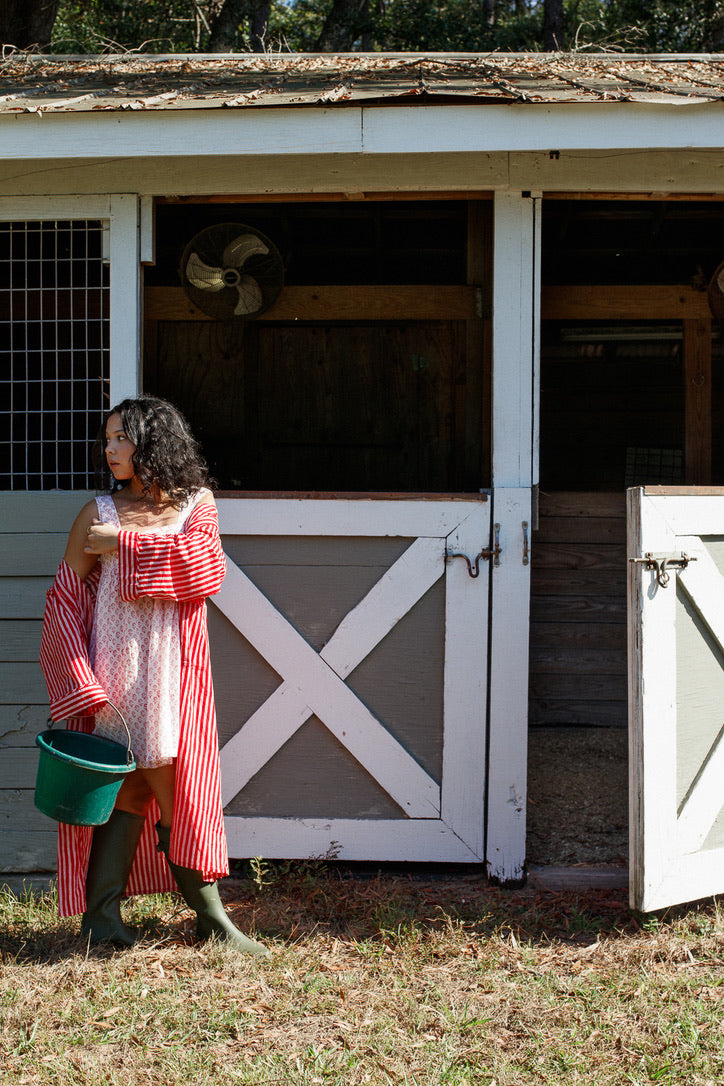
(125, 626)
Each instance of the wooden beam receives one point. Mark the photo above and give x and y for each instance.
(697, 384)
(341, 303)
(433, 302)
(700, 197)
(684, 492)
(613, 302)
(347, 196)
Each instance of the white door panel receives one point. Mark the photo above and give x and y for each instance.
(441, 815)
(676, 682)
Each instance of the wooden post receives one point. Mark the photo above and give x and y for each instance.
(515, 344)
(697, 383)
(473, 397)
(125, 298)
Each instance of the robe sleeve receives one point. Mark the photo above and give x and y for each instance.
(73, 689)
(186, 566)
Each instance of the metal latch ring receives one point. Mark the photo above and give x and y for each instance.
(663, 564)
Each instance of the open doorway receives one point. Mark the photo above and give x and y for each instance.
(631, 394)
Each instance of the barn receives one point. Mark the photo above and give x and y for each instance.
(430, 317)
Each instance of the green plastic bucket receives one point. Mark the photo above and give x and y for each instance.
(79, 776)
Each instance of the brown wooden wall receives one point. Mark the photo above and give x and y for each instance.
(578, 610)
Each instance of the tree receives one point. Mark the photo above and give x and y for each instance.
(553, 25)
(27, 25)
(347, 21)
(231, 18)
(162, 26)
(189, 26)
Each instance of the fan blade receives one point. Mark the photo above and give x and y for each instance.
(238, 251)
(250, 297)
(202, 276)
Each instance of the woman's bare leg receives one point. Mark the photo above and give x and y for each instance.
(143, 785)
(162, 782)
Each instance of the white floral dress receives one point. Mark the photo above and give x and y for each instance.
(135, 652)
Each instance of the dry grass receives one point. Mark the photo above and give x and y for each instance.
(372, 980)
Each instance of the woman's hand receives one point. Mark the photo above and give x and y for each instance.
(101, 538)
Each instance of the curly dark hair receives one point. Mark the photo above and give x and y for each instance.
(167, 455)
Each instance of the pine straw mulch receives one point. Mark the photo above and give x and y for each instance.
(390, 978)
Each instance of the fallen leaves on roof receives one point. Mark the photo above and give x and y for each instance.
(45, 84)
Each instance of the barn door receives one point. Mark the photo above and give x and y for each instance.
(676, 693)
(349, 643)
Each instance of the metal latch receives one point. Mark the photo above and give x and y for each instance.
(662, 563)
(484, 556)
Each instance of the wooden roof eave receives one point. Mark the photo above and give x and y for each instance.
(364, 129)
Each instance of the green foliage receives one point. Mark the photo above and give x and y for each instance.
(181, 26)
(459, 26)
(149, 26)
(297, 24)
(689, 26)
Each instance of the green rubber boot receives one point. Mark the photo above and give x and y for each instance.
(109, 865)
(203, 898)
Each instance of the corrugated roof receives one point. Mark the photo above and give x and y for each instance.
(36, 83)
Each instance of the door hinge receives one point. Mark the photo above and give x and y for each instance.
(662, 563)
(484, 556)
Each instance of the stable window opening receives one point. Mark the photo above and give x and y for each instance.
(368, 373)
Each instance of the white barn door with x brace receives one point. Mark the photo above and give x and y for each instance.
(350, 644)
(676, 692)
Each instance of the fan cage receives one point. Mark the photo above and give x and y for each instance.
(205, 257)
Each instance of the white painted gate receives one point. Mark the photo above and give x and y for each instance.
(432, 808)
(676, 694)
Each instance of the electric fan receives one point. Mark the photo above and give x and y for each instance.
(231, 271)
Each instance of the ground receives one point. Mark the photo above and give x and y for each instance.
(577, 796)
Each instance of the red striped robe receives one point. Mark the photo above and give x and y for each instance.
(185, 567)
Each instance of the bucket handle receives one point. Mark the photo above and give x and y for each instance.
(129, 752)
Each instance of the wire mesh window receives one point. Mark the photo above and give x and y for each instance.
(54, 352)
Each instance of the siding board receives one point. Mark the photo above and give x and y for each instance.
(569, 710)
(41, 511)
(22, 684)
(578, 611)
(26, 852)
(19, 640)
(576, 684)
(23, 597)
(19, 724)
(17, 806)
(18, 767)
(29, 554)
(580, 556)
